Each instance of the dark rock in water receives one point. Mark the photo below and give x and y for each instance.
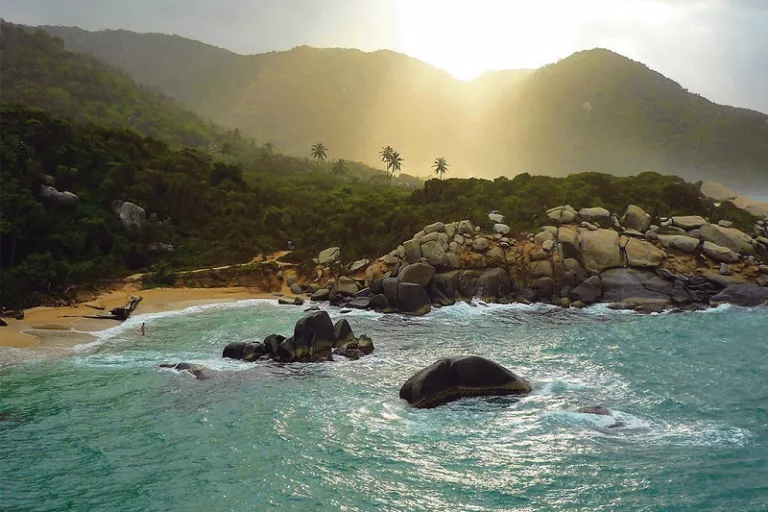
(544, 285)
(412, 299)
(313, 337)
(621, 284)
(490, 284)
(527, 295)
(348, 351)
(597, 409)
(234, 350)
(747, 295)
(345, 311)
(15, 314)
(198, 370)
(589, 291)
(365, 292)
(286, 351)
(343, 333)
(253, 351)
(365, 344)
(321, 295)
(295, 288)
(389, 285)
(360, 303)
(3, 323)
(312, 308)
(296, 301)
(452, 378)
(447, 284)
(377, 287)
(378, 301)
(272, 344)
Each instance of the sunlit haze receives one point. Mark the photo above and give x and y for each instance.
(716, 48)
(469, 38)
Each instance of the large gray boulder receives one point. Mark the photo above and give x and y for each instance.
(643, 254)
(599, 249)
(488, 284)
(747, 295)
(689, 222)
(596, 214)
(434, 252)
(719, 253)
(680, 242)
(636, 218)
(730, 238)
(330, 255)
(413, 299)
(466, 228)
(412, 250)
(347, 286)
(418, 273)
(50, 195)
(622, 284)
(437, 227)
(132, 216)
(589, 291)
(562, 214)
(452, 378)
(480, 244)
(313, 337)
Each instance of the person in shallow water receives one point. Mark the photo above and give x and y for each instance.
(142, 329)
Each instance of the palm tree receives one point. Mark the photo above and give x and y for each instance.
(440, 166)
(395, 164)
(386, 156)
(319, 152)
(339, 167)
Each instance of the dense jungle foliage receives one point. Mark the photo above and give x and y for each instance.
(212, 213)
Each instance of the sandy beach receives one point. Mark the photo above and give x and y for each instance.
(56, 330)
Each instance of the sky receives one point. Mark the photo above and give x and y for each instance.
(717, 48)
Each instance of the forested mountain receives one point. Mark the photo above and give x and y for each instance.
(594, 110)
(36, 70)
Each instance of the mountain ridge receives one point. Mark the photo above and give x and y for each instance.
(356, 102)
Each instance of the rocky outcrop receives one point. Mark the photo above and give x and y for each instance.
(315, 339)
(330, 255)
(679, 242)
(717, 192)
(643, 254)
(452, 378)
(747, 295)
(132, 216)
(730, 238)
(599, 249)
(719, 253)
(417, 273)
(49, 195)
(636, 218)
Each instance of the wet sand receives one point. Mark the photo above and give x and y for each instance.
(54, 331)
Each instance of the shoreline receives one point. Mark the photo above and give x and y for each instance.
(56, 331)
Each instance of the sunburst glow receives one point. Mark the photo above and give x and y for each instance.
(467, 38)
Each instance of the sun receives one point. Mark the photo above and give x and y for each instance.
(467, 38)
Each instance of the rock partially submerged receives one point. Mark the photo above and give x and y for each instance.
(315, 338)
(452, 378)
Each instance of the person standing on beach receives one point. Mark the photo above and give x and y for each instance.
(142, 329)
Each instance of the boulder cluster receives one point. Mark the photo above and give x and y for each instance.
(315, 339)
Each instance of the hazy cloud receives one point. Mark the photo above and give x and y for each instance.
(717, 48)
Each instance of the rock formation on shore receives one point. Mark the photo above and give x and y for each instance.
(315, 339)
(577, 258)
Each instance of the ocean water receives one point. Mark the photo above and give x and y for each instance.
(106, 430)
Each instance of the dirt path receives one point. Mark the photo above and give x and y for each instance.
(274, 256)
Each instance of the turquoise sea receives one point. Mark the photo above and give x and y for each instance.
(105, 430)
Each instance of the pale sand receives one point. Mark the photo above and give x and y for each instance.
(46, 330)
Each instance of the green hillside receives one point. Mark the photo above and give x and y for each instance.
(595, 110)
(37, 70)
